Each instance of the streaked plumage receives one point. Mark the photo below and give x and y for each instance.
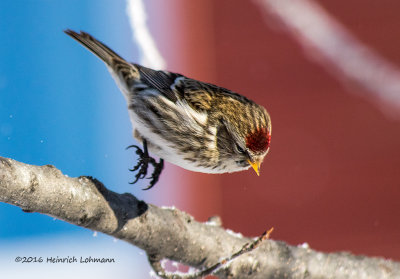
(195, 125)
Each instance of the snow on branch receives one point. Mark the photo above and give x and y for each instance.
(167, 233)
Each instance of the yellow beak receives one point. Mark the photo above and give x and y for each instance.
(255, 166)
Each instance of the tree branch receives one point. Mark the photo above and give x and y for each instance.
(167, 233)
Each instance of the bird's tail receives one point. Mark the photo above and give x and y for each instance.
(125, 74)
(101, 50)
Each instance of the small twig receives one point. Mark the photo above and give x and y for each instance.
(248, 247)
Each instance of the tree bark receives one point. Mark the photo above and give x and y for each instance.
(167, 233)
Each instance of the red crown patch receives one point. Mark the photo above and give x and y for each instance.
(259, 140)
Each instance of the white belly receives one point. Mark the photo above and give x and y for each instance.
(166, 151)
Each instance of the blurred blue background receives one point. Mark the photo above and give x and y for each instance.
(60, 106)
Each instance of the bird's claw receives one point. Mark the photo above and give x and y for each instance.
(143, 164)
(156, 173)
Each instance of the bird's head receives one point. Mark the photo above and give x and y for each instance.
(249, 140)
(253, 147)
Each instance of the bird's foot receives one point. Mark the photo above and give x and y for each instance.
(158, 167)
(143, 164)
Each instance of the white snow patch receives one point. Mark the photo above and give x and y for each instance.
(305, 245)
(168, 207)
(212, 223)
(235, 234)
(164, 263)
(175, 264)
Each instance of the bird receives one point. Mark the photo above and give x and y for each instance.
(195, 125)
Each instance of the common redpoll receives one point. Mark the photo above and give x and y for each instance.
(195, 125)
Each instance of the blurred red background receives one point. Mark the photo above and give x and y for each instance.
(332, 177)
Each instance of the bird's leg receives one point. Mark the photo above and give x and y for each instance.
(143, 164)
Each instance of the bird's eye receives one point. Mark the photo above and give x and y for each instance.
(239, 149)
